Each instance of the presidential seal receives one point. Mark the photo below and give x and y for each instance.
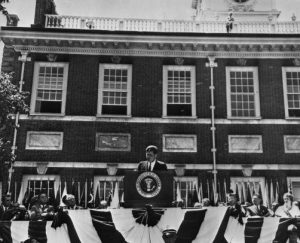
(148, 184)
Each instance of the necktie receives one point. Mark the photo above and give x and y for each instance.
(149, 166)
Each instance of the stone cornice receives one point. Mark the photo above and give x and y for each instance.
(126, 165)
(170, 120)
(153, 45)
(158, 52)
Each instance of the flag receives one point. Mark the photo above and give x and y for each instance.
(195, 196)
(63, 194)
(75, 191)
(178, 193)
(91, 197)
(200, 192)
(272, 199)
(242, 200)
(266, 193)
(237, 192)
(276, 192)
(115, 203)
(249, 197)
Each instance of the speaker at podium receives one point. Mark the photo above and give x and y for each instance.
(141, 188)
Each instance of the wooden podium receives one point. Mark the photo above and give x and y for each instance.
(155, 188)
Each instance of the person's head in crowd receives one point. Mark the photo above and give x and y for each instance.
(6, 200)
(288, 199)
(103, 204)
(43, 198)
(232, 199)
(247, 204)
(69, 200)
(205, 202)
(256, 199)
(151, 153)
(30, 241)
(197, 205)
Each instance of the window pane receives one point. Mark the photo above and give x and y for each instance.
(293, 93)
(242, 94)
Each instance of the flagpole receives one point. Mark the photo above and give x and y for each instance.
(212, 64)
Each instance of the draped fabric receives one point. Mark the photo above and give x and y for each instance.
(121, 226)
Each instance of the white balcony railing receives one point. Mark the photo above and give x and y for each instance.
(152, 25)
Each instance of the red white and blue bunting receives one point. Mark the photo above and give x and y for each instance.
(129, 225)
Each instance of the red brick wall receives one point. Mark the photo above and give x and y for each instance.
(79, 137)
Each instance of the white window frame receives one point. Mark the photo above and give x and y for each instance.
(286, 150)
(291, 179)
(230, 150)
(106, 178)
(37, 66)
(97, 148)
(103, 66)
(166, 68)
(55, 178)
(256, 91)
(193, 150)
(61, 134)
(188, 179)
(284, 71)
(235, 180)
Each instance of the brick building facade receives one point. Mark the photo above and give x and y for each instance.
(98, 98)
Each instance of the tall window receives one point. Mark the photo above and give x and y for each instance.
(291, 88)
(104, 187)
(179, 97)
(49, 88)
(242, 92)
(33, 185)
(188, 187)
(114, 94)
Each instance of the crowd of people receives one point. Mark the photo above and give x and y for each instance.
(39, 208)
(289, 209)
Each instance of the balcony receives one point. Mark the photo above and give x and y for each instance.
(154, 25)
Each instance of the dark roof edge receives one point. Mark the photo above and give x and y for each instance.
(148, 33)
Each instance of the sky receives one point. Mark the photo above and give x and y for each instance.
(157, 9)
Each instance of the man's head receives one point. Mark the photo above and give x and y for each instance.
(232, 199)
(256, 199)
(69, 200)
(205, 202)
(6, 200)
(151, 153)
(43, 198)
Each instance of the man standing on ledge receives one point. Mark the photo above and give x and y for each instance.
(151, 163)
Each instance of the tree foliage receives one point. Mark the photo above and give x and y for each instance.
(3, 9)
(11, 102)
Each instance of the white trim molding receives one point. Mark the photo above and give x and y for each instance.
(44, 140)
(179, 143)
(291, 143)
(47, 86)
(180, 120)
(242, 93)
(113, 142)
(133, 166)
(245, 144)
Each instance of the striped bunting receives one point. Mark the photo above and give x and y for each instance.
(259, 230)
(211, 225)
(18, 231)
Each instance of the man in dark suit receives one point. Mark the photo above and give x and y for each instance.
(257, 209)
(151, 163)
(235, 209)
(6, 208)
